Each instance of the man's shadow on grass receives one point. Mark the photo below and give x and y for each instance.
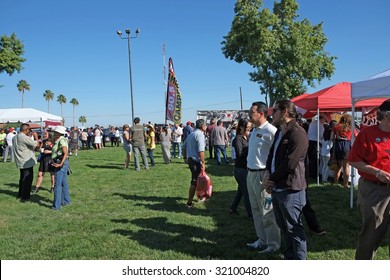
(155, 203)
(106, 166)
(160, 234)
(34, 198)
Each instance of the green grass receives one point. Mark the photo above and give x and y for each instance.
(123, 214)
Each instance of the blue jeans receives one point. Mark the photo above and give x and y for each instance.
(150, 154)
(140, 150)
(240, 175)
(288, 214)
(174, 146)
(220, 149)
(61, 187)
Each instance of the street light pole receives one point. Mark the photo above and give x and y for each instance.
(137, 31)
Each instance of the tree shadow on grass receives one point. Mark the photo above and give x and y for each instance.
(330, 203)
(219, 243)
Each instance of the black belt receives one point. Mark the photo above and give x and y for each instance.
(255, 170)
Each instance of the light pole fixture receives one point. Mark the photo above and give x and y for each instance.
(128, 37)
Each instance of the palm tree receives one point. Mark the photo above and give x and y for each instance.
(61, 99)
(75, 103)
(82, 120)
(48, 95)
(22, 86)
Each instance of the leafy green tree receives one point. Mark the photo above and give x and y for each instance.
(22, 86)
(74, 103)
(11, 51)
(48, 95)
(286, 54)
(61, 99)
(82, 120)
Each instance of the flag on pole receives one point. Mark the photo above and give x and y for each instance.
(173, 102)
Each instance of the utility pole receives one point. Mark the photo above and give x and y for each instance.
(241, 98)
(164, 81)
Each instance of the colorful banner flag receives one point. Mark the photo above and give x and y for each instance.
(173, 104)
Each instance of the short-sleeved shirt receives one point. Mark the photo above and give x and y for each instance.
(58, 145)
(194, 144)
(372, 146)
(260, 142)
(23, 147)
(137, 135)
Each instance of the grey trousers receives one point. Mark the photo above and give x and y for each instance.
(373, 201)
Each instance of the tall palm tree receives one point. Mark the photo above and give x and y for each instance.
(48, 95)
(22, 86)
(82, 120)
(61, 99)
(75, 103)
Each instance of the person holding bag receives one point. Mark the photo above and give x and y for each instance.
(193, 154)
(60, 164)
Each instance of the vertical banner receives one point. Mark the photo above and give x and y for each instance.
(173, 105)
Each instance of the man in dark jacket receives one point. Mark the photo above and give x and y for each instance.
(285, 177)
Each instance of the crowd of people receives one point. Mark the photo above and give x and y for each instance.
(274, 155)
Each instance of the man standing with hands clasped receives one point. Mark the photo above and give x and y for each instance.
(370, 155)
(260, 142)
(285, 177)
(23, 149)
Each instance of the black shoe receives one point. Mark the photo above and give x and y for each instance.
(51, 190)
(36, 190)
(233, 212)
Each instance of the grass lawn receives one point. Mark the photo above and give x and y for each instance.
(118, 214)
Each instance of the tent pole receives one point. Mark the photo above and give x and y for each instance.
(352, 168)
(318, 146)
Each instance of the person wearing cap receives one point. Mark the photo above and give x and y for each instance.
(187, 130)
(23, 149)
(8, 142)
(60, 166)
(370, 155)
(193, 154)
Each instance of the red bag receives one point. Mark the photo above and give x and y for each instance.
(204, 187)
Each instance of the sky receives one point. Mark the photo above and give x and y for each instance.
(72, 48)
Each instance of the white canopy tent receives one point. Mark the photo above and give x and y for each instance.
(373, 87)
(26, 115)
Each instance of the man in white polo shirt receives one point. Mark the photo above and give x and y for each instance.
(260, 142)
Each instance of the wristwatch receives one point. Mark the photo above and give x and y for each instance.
(377, 173)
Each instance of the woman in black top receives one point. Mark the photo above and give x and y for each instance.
(44, 163)
(240, 144)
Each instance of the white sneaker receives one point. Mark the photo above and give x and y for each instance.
(256, 245)
(267, 250)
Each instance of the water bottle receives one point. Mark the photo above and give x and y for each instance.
(267, 203)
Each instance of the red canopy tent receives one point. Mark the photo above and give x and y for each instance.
(335, 98)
